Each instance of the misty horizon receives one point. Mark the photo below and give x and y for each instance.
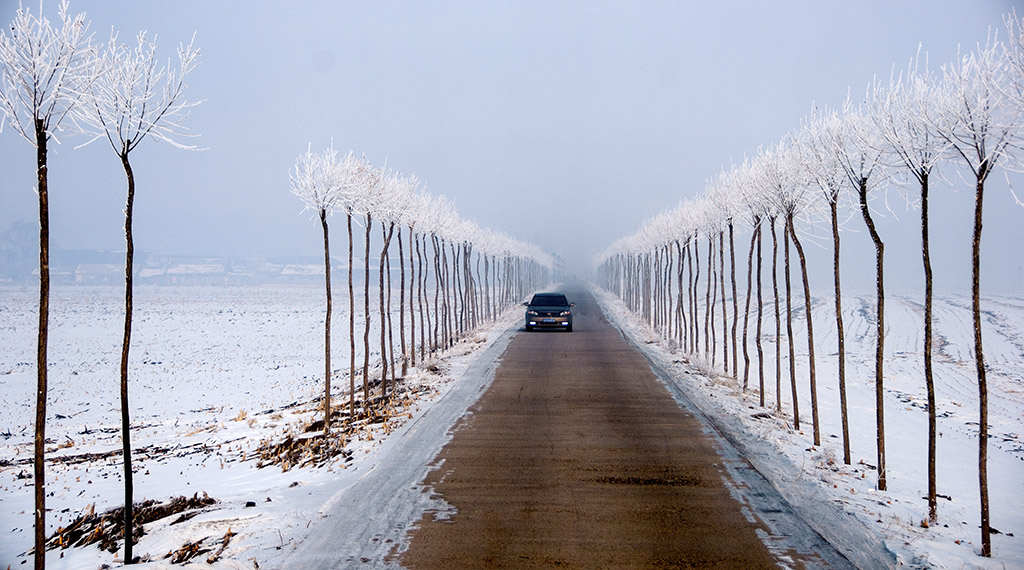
(562, 125)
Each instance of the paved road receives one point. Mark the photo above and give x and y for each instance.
(578, 457)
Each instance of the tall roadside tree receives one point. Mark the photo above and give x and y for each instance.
(985, 132)
(352, 171)
(856, 149)
(799, 199)
(785, 182)
(44, 69)
(911, 124)
(316, 181)
(132, 99)
(821, 134)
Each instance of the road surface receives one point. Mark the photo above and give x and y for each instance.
(577, 456)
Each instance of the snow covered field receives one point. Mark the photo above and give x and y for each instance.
(809, 475)
(217, 370)
(214, 371)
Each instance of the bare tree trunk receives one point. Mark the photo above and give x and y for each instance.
(327, 326)
(446, 300)
(735, 301)
(880, 332)
(401, 302)
(789, 323)
(760, 317)
(840, 333)
(778, 321)
(387, 289)
(366, 313)
(421, 282)
(437, 291)
(126, 446)
(41, 362)
(986, 529)
(725, 316)
(933, 508)
(681, 311)
(458, 305)
(810, 334)
(423, 299)
(746, 312)
(692, 293)
(386, 233)
(351, 326)
(708, 305)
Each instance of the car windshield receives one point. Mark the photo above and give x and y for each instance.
(549, 301)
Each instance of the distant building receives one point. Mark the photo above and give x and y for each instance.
(196, 274)
(98, 274)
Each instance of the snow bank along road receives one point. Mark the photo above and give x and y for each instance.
(575, 456)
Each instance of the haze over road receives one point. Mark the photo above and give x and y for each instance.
(578, 457)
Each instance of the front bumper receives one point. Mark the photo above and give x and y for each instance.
(546, 322)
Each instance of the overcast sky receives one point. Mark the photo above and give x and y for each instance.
(561, 123)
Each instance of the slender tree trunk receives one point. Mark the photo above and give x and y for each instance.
(41, 362)
(446, 296)
(126, 446)
(933, 508)
(725, 316)
(810, 334)
(390, 326)
(680, 311)
(735, 301)
(789, 323)
(880, 332)
(746, 311)
(760, 316)
(438, 277)
(708, 307)
(693, 293)
(986, 529)
(366, 313)
(327, 326)
(778, 321)
(840, 332)
(401, 302)
(386, 233)
(351, 326)
(422, 299)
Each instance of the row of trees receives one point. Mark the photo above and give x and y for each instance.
(54, 79)
(459, 274)
(968, 115)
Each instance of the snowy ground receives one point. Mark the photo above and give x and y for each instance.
(216, 370)
(809, 475)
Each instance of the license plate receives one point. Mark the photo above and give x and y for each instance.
(548, 321)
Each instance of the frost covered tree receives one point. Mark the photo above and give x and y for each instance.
(132, 99)
(316, 181)
(908, 116)
(820, 135)
(856, 148)
(984, 133)
(352, 171)
(44, 69)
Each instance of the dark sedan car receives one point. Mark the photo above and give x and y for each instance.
(549, 311)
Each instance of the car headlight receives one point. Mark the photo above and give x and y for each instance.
(534, 313)
(564, 314)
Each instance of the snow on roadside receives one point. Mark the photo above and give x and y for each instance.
(214, 372)
(895, 515)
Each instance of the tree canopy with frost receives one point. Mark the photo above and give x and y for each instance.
(131, 99)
